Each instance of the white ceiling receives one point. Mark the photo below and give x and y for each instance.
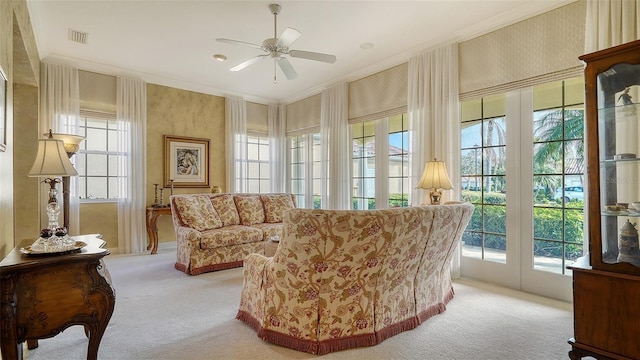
(172, 42)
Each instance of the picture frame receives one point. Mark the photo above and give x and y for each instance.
(186, 162)
(3, 110)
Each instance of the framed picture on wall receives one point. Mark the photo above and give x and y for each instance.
(3, 109)
(186, 162)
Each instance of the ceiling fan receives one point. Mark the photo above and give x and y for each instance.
(276, 47)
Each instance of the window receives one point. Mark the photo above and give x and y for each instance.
(483, 164)
(545, 154)
(305, 170)
(364, 165)
(316, 185)
(558, 174)
(383, 158)
(97, 159)
(398, 161)
(297, 149)
(258, 164)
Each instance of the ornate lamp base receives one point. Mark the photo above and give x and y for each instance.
(436, 195)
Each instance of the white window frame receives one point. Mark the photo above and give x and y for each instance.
(82, 174)
(259, 140)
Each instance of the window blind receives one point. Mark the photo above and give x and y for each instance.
(97, 93)
(257, 119)
(303, 116)
(540, 49)
(379, 95)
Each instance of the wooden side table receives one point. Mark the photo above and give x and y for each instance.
(152, 227)
(41, 295)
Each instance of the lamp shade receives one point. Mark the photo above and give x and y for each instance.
(52, 160)
(435, 176)
(71, 142)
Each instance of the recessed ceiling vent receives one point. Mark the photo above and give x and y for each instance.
(78, 36)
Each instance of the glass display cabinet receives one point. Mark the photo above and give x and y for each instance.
(606, 283)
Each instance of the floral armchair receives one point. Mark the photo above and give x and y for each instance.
(341, 279)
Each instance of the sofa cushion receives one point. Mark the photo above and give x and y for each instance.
(197, 212)
(274, 205)
(250, 209)
(226, 209)
(270, 230)
(230, 235)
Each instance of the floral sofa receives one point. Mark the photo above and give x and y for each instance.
(216, 231)
(342, 279)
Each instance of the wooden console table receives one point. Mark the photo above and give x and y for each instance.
(41, 295)
(152, 227)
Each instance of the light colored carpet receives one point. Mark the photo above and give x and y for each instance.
(162, 313)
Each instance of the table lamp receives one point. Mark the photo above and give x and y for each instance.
(435, 177)
(71, 146)
(52, 161)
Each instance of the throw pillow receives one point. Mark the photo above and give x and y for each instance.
(226, 208)
(197, 212)
(275, 205)
(250, 209)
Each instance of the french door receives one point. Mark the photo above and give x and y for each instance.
(522, 168)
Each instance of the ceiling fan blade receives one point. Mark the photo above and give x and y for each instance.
(287, 69)
(288, 36)
(243, 65)
(313, 56)
(237, 42)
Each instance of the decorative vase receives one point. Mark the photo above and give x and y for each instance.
(628, 247)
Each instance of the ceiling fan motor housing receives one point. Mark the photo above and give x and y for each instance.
(274, 8)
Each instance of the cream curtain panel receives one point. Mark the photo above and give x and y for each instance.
(277, 148)
(336, 148)
(60, 112)
(236, 135)
(131, 123)
(434, 124)
(610, 23)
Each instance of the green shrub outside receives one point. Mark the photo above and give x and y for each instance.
(547, 226)
(395, 200)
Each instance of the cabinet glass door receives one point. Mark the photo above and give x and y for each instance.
(619, 157)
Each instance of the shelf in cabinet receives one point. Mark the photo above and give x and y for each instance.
(627, 106)
(608, 162)
(621, 213)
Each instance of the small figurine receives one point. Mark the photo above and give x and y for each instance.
(625, 97)
(155, 195)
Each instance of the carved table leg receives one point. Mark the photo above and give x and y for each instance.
(152, 230)
(574, 355)
(149, 229)
(106, 303)
(32, 344)
(9, 345)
